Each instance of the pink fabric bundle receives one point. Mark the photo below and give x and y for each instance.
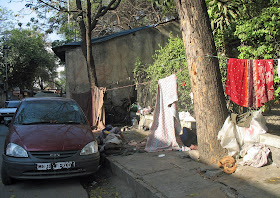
(166, 119)
(250, 83)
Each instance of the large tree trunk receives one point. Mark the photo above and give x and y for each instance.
(209, 101)
(90, 61)
(86, 42)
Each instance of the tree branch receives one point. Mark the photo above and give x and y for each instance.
(59, 8)
(103, 10)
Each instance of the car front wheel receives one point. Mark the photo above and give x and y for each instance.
(6, 179)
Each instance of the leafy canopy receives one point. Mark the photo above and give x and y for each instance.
(28, 59)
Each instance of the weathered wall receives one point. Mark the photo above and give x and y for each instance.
(115, 60)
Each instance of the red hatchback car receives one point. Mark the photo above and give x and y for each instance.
(49, 138)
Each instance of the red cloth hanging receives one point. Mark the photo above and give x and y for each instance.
(250, 83)
(264, 81)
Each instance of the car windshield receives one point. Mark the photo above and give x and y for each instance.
(11, 104)
(49, 111)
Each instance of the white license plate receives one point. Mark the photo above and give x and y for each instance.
(7, 118)
(55, 166)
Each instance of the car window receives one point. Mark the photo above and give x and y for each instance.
(11, 104)
(49, 111)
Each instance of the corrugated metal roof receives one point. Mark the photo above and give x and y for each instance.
(110, 36)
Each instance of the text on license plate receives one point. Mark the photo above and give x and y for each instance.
(55, 166)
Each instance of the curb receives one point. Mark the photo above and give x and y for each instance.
(140, 188)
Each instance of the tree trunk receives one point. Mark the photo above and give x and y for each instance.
(86, 42)
(209, 101)
(90, 61)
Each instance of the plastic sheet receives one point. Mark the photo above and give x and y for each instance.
(233, 137)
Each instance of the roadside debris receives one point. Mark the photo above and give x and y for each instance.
(144, 111)
(233, 137)
(161, 155)
(255, 155)
(186, 116)
(228, 163)
(194, 154)
(112, 141)
(139, 145)
(239, 135)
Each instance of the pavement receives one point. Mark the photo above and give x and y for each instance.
(173, 174)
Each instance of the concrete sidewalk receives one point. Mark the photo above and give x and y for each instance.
(176, 176)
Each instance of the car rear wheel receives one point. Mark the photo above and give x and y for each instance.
(6, 179)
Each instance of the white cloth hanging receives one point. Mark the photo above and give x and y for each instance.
(166, 124)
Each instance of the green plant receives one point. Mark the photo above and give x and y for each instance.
(168, 60)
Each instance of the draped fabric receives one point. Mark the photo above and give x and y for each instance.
(92, 104)
(98, 110)
(250, 83)
(166, 125)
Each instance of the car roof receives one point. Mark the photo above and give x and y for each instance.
(48, 98)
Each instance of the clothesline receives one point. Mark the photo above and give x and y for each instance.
(177, 59)
(128, 86)
(209, 56)
(227, 57)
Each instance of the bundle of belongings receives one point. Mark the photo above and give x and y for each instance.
(250, 83)
(111, 141)
(239, 137)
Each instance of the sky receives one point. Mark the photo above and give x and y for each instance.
(18, 7)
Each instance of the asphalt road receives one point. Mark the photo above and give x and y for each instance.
(70, 188)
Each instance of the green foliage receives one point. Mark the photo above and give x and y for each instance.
(5, 19)
(259, 38)
(28, 59)
(260, 35)
(222, 14)
(223, 63)
(276, 83)
(226, 14)
(252, 33)
(168, 60)
(166, 7)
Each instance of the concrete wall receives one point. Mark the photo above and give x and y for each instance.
(115, 60)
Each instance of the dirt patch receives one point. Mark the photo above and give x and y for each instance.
(135, 134)
(104, 184)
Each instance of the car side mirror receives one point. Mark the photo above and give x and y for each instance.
(7, 123)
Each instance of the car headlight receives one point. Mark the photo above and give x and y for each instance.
(90, 148)
(15, 150)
